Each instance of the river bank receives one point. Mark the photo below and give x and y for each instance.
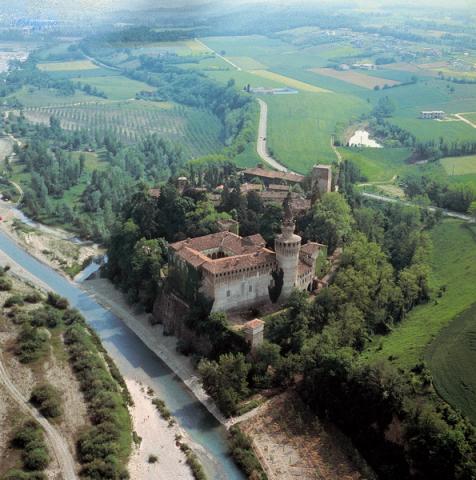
(135, 361)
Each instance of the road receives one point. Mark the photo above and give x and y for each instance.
(446, 213)
(261, 145)
(234, 65)
(465, 120)
(57, 444)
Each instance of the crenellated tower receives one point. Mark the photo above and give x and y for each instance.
(287, 246)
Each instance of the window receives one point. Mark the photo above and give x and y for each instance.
(228, 293)
(250, 288)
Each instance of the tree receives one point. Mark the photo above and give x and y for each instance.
(385, 108)
(226, 380)
(331, 221)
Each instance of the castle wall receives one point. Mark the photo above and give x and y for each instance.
(242, 292)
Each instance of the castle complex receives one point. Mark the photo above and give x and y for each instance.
(237, 273)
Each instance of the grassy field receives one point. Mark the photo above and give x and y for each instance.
(289, 82)
(116, 87)
(355, 78)
(77, 65)
(41, 97)
(378, 164)
(452, 260)
(451, 360)
(459, 165)
(470, 116)
(300, 126)
(247, 63)
(198, 131)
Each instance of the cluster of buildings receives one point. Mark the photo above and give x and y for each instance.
(236, 274)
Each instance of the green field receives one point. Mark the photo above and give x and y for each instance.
(41, 97)
(470, 116)
(300, 126)
(197, 131)
(67, 66)
(459, 165)
(454, 251)
(116, 87)
(378, 164)
(451, 358)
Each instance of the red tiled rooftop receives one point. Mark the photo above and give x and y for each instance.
(271, 174)
(253, 324)
(240, 262)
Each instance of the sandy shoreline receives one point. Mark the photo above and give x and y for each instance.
(157, 438)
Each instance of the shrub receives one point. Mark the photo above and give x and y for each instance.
(162, 408)
(72, 316)
(31, 343)
(193, 462)
(20, 475)
(153, 459)
(30, 438)
(57, 301)
(244, 455)
(5, 284)
(47, 399)
(46, 317)
(13, 300)
(33, 297)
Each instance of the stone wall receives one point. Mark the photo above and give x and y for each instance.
(171, 311)
(242, 293)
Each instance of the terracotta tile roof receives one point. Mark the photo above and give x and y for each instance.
(256, 239)
(311, 248)
(273, 175)
(240, 262)
(226, 239)
(154, 192)
(253, 324)
(192, 257)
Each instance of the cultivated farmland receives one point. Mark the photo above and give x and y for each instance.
(355, 78)
(289, 82)
(197, 131)
(459, 165)
(77, 65)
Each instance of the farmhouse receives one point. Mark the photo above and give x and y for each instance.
(237, 273)
(432, 114)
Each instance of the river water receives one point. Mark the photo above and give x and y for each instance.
(136, 361)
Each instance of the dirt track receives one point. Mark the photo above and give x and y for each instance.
(55, 441)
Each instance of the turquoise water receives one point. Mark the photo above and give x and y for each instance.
(136, 361)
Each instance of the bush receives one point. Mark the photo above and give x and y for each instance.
(19, 475)
(5, 284)
(30, 438)
(244, 455)
(153, 459)
(47, 399)
(31, 343)
(13, 300)
(46, 317)
(33, 297)
(57, 301)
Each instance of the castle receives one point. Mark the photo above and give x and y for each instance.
(237, 273)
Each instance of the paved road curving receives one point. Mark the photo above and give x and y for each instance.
(261, 146)
(55, 441)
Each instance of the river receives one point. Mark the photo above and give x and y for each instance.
(136, 361)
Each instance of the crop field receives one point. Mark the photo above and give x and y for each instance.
(459, 165)
(422, 334)
(451, 360)
(40, 97)
(247, 63)
(356, 78)
(289, 82)
(179, 47)
(300, 126)
(116, 87)
(197, 131)
(379, 164)
(76, 65)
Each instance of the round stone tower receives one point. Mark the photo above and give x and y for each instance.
(287, 246)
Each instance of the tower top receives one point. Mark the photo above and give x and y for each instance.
(288, 226)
